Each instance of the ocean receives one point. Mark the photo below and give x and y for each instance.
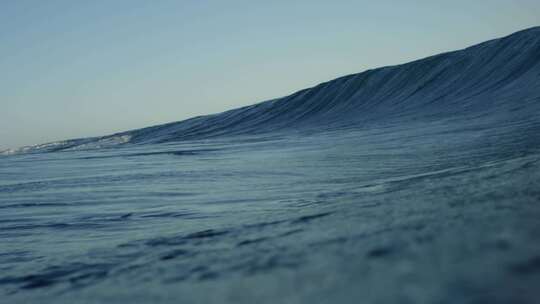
(417, 183)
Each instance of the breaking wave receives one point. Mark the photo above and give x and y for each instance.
(495, 81)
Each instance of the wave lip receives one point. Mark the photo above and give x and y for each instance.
(498, 80)
(71, 145)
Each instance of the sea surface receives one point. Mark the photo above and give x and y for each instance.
(417, 183)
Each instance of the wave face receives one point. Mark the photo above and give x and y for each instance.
(499, 78)
(416, 183)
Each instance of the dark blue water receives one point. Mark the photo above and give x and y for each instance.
(417, 183)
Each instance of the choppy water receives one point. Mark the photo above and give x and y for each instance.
(436, 203)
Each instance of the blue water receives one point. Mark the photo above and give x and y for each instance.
(417, 183)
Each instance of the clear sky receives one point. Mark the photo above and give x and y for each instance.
(73, 69)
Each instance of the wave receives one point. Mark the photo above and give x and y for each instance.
(494, 82)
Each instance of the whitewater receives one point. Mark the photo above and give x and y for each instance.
(414, 183)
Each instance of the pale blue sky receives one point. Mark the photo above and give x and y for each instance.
(83, 68)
